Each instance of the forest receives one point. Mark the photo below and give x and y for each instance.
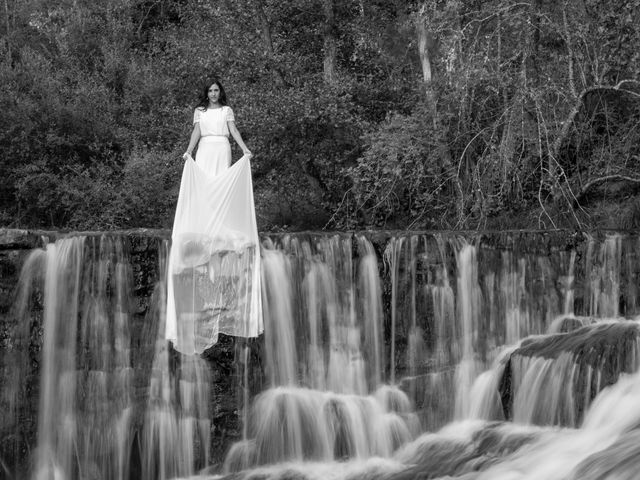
(361, 114)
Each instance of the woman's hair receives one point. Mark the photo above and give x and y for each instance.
(204, 98)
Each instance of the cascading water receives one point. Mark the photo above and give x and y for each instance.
(85, 389)
(392, 257)
(90, 421)
(370, 310)
(489, 346)
(323, 327)
(468, 313)
(175, 434)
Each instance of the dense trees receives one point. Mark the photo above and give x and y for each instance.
(404, 113)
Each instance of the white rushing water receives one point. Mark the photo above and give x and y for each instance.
(323, 334)
(89, 422)
(458, 366)
(84, 423)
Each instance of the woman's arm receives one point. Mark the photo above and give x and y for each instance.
(195, 137)
(237, 137)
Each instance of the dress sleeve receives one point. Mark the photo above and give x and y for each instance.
(196, 115)
(230, 117)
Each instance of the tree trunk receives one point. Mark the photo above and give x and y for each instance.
(570, 55)
(423, 49)
(507, 148)
(424, 44)
(425, 62)
(265, 31)
(8, 30)
(534, 49)
(329, 64)
(6, 17)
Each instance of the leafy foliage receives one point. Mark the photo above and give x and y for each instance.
(531, 108)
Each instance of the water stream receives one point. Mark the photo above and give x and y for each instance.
(416, 355)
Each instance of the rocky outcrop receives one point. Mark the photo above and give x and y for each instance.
(552, 379)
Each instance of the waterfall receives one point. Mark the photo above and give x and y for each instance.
(370, 295)
(383, 356)
(57, 431)
(89, 421)
(85, 413)
(605, 262)
(468, 313)
(392, 257)
(278, 318)
(324, 357)
(19, 382)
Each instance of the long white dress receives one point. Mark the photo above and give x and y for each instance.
(213, 283)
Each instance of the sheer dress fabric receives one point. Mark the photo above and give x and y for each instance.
(213, 283)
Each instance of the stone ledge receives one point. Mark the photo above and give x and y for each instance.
(602, 350)
(13, 239)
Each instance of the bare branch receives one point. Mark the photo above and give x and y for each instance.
(144, 18)
(497, 12)
(568, 123)
(337, 209)
(596, 181)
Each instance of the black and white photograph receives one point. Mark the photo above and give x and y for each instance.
(319, 239)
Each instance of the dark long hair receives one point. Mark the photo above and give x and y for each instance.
(204, 98)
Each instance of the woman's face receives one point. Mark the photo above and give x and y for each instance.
(214, 93)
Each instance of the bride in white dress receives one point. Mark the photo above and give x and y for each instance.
(213, 281)
(213, 121)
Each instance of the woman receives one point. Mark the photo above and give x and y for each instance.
(213, 284)
(213, 120)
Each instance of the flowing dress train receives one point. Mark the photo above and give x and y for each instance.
(213, 283)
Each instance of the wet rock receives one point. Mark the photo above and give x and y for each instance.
(569, 323)
(14, 239)
(573, 367)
